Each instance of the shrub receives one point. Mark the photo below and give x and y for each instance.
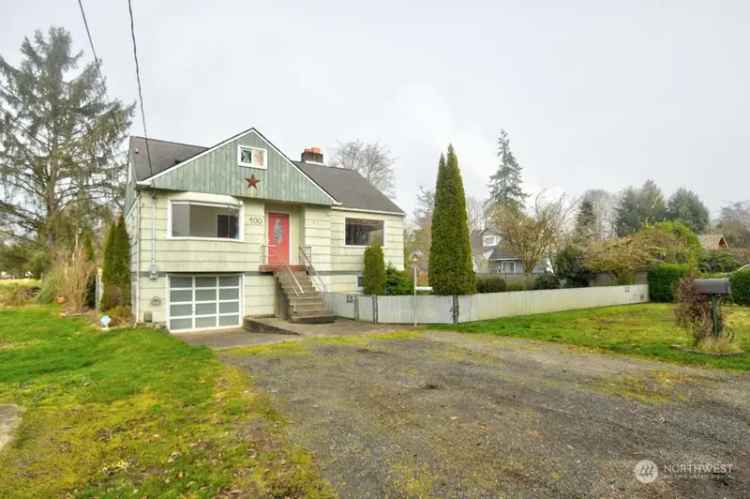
(718, 261)
(74, 271)
(570, 269)
(693, 312)
(548, 280)
(516, 286)
(121, 315)
(397, 282)
(51, 286)
(116, 271)
(16, 294)
(374, 273)
(662, 279)
(491, 285)
(741, 287)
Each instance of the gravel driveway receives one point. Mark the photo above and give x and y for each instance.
(425, 414)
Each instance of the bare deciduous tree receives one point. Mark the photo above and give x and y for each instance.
(373, 161)
(475, 213)
(534, 234)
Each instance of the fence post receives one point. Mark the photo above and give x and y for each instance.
(356, 308)
(375, 309)
(454, 309)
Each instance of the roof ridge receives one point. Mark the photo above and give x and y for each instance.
(168, 141)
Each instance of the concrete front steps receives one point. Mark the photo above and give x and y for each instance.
(304, 302)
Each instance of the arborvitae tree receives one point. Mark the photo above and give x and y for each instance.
(116, 271)
(90, 255)
(451, 270)
(585, 229)
(505, 183)
(374, 273)
(685, 206)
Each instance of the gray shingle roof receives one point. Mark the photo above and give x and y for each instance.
(346, 186)
(164, 154)
(349, 188)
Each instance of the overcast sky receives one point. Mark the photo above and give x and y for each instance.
(594, 95)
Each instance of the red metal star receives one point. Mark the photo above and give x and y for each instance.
(252, 182)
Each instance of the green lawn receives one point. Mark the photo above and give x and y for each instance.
(647, 330)
(136, 413)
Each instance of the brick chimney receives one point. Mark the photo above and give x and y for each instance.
(312, 155)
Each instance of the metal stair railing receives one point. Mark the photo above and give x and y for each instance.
(306, 258)
(298, 287)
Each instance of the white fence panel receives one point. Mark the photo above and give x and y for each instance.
(430, 309)
(492, 305)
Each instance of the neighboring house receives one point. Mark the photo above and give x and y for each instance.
(712, 242)
(490, 255)
(213, 229)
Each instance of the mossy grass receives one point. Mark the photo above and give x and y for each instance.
(136, 413)
(646, 330)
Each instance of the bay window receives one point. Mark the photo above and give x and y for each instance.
(194, 220)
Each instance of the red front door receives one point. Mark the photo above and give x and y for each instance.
(278, 239)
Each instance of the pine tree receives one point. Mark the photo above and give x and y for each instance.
(451, 270)
(374, 272)
(505, 183)
(638, 208)
(585, 229)
(685, 206)
(60, 134)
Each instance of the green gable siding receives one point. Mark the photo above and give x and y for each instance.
(217, 172)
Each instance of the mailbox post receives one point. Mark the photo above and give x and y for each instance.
(715, 289)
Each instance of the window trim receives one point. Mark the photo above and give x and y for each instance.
(240, 147)
(383, 244)
(240, 221)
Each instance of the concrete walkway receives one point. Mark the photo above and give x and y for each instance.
(232, 338)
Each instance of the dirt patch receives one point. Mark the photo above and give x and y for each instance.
(10, 418)
(451, 415)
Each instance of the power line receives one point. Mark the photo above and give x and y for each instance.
(140, 88)
(91, 40)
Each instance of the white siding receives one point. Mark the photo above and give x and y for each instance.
(348, 258)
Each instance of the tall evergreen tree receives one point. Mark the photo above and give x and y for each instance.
(585, 229)
(685, 206)
(60, 135)
(116, 270)
(638, 208)
(505, 183)
(451, 270)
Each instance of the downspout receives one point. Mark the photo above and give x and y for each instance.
(138, 261)
(153, 270)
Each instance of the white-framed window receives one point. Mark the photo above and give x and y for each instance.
(194, 220)
(490, 240)
(363, 232)
(252, 157)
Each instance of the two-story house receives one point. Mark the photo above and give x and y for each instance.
(217, 232)
(491, 256)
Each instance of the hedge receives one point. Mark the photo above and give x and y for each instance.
(741, 287)
(662, 279)
(491, 285)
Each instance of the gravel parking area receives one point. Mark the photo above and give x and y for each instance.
(442, 414)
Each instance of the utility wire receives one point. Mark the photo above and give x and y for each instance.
(140, 88)
(91, 40)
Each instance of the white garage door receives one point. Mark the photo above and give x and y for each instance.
(204, 301)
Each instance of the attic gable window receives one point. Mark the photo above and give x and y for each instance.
(252, 157)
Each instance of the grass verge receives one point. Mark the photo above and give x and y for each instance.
(646, 330)
(136, 413)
